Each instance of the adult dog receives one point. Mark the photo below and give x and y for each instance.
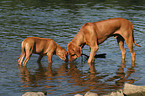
(93, 34)
(41, 46)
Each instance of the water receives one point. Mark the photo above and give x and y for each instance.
(61, 20)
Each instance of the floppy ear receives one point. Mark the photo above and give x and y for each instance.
(70, 48)
(78, 51)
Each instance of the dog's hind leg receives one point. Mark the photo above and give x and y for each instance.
(21, 57)
(28, 50)
(120, 41)
(129, 42)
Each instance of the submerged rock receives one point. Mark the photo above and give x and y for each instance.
(128, 90)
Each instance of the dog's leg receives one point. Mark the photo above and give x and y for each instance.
(21, 57)
(39, 59)
(129, 42)
(49, 55)
(28, 54)
(91, 58)
(92, 54)
(120, 41)
(130, 46)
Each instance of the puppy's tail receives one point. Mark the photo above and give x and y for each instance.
(18, 57)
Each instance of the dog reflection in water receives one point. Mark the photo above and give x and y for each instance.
(74, 76)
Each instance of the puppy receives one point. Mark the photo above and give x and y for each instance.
(43, 47)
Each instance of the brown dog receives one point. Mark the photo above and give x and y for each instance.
(41, 46)
(96, 33)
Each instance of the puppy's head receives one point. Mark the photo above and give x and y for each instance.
(74, 51)
(62, 54)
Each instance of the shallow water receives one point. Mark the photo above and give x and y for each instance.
(61, 20)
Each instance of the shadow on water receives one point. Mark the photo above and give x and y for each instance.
(96, 56)
(70, 74)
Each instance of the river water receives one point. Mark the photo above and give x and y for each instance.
(61, 20)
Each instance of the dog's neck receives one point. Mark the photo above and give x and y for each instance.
(78, 40)
(58, 48)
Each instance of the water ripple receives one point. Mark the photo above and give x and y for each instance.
(61, 22)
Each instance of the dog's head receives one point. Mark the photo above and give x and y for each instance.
(63, 54)
(74, 51)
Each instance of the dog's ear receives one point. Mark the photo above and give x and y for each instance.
(70, 48)
(75, 49)
(78, 51)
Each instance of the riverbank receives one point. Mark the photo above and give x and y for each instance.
(128, 90)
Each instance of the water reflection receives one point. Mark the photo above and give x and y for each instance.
(33, 79)
(46, 77)
(123, 76)
(61, 20)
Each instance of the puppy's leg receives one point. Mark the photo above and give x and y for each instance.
(29, 51)
(120, 41)
(21, 57)
(49, 55)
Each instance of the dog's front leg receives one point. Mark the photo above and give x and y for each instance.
(49, 55)
(92, 54)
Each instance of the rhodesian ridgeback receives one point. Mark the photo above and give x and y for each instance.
(93, 34)
(41, 46)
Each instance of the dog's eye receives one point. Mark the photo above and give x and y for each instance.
(73, 50)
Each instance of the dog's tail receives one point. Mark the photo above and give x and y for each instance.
(18, 57)
(136, 44)
(133, 37)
